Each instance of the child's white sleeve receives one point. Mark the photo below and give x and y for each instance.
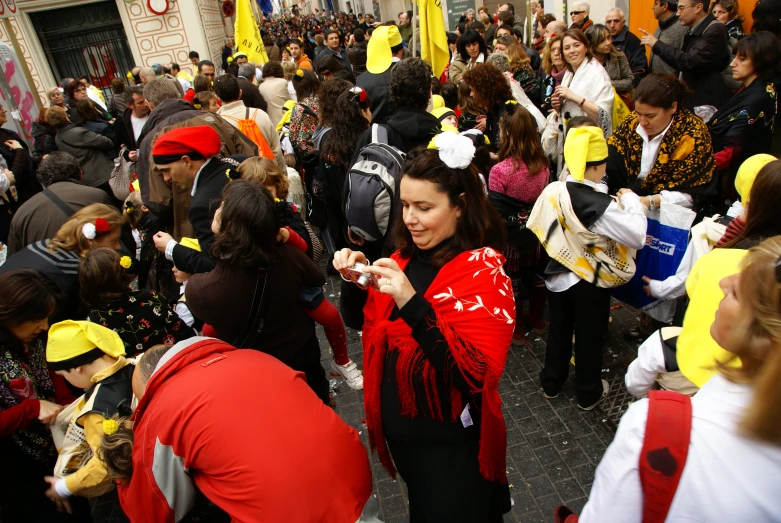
(627, 226)
(184, 313)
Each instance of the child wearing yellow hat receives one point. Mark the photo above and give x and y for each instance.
(591, 239)
(90, 357)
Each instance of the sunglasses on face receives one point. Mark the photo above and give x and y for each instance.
(572, 13)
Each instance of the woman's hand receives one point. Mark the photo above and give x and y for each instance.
(647, 288)
(392, 281)
(10, 175)
(564, 93)
(346, 258)
(480, 123)
(556, 101)
(622, 192)
(47, 413)
(13, 144)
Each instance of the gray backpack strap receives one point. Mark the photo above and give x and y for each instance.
(379, 134)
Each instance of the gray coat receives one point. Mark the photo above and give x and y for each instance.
(620, 72)
(90, 149)
(670, 32)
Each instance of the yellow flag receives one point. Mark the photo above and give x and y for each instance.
(247, 35)
(433, 40)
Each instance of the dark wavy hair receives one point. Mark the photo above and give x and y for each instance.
(273, 70)
(767, 17)
(347, 126)
(28, 295)
(329, 94)
(102, 279)
(764, 51)
(489, 85)
(479, 226)
(470, 37)
(410, 83)
(249, 224)
(762, 217)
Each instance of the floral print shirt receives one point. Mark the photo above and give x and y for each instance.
(302, 127)
(25, 375)
(142, 319)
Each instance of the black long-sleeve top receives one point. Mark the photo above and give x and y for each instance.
(421, 317)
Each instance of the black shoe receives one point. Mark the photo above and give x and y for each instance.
(605, 390)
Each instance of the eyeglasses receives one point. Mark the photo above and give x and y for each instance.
(571, 13)
(682, 7)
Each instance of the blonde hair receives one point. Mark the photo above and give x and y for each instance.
(760, 367)
(289, 69)
(265, 172)
(70, 236)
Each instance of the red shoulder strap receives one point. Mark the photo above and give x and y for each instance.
(665, 448)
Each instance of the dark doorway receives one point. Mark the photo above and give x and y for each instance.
(85, 40)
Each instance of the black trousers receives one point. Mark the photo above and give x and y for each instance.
(584, 310)
(445, 485)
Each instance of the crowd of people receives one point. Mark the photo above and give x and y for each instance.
(166, 249)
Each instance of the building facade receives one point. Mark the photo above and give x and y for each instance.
(106, 38)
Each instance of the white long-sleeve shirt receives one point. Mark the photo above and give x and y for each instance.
(627, 226)
(727, 477)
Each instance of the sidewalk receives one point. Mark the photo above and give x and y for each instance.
(553, 447)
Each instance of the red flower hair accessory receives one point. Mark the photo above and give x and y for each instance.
(102, 225)
(359, 93)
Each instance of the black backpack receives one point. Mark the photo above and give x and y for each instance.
(371, 190)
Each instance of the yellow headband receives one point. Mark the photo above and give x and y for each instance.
(583, 145)
(747, 173)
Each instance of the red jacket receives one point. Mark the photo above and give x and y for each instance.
(250, 434)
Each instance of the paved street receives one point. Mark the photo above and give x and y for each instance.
(553, 447)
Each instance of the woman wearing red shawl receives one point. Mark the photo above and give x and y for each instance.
(437, 329)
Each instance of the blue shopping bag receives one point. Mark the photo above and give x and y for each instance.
(666, 240)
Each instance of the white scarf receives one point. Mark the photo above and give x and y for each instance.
(591, 82)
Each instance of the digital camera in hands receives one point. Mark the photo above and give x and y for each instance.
(362, 279)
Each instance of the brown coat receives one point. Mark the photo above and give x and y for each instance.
(156, 193)
(39, 218)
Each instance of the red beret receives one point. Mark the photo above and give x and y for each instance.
(198, 143)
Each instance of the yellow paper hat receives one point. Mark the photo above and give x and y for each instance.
(288, 107)
(136, 186)
(440, 113)
(191, 243)
(437, 101)
(747, 173)
(378, 54)
(239, 54)
(75, 343)
(583, 145)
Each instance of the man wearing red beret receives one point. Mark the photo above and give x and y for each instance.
(186, 158)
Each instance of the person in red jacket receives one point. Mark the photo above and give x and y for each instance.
(242, 428)
(30, 397)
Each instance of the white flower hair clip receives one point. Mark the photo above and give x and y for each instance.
(89, 231)
(455, 151)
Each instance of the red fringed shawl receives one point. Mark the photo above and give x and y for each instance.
(475, 308)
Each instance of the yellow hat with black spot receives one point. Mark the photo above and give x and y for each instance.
(72, 344)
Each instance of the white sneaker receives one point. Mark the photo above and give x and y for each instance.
(605, 390)
(351, 374)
